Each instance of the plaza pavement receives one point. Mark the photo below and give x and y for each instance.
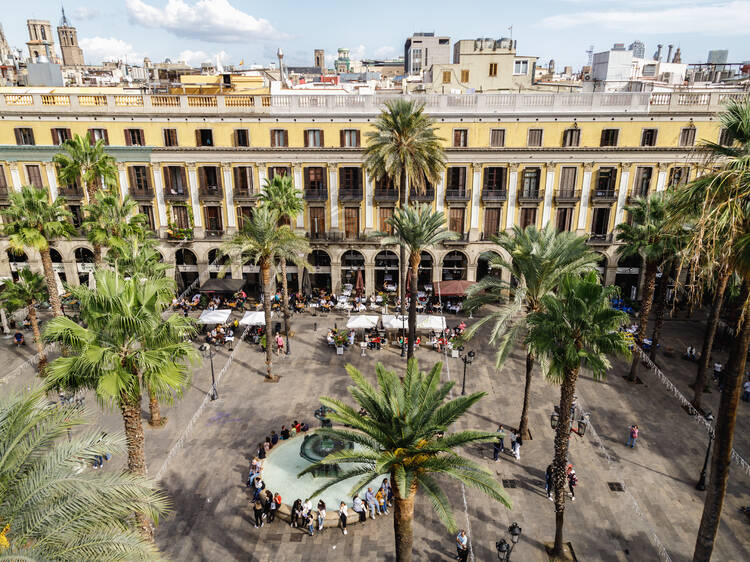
(659, 507)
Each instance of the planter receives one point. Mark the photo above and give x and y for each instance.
(454, 353)
(339, 351)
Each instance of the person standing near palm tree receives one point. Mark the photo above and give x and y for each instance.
(31, 221)
(406, 150)
(110, 220)
(538, 261)
(575, 328)
(415, 229)
(29, 291)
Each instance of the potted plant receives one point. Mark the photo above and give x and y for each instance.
(340, 339)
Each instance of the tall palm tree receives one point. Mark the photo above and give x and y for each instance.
(279, 194)
(406, 435)
(404, 148)
(137, 257)
(262, 241)
(31, 221)
(416, 228)
(124, 347)
(109, 221)
(87, 161)
(538, 260)
(575, 328)
(29, 291)
(646, 235)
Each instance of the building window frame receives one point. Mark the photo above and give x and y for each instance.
(497, 138)
(169, 134)
(350, 138)
(493, 70)
(279, 138)
(609, 137)
(460, 138)
(204, 137)
(535, 137)
(447, 76)
(465, 75)
(520, 67)
(649, 136)
(135, 137)
(314, 138)
(24, 136)
(241, 137)
(687, 136)
(571, 137)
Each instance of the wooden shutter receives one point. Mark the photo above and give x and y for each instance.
(128, 138)
(234, 136)
(106, 137)
(342, 132)
(202, 177)
(167, 178)
(457, 137)
(55, 136)
(17, 131)
(219, 177)
(198, 137)
(68, 134)
(236, 175)
(307, 138)
(358, 138)
(131, 177)
(141, 137)
(324, 176)
(322, 139)
(90, 133)
(183, 177)
(147, 169)
(307, 178)
(273, 138)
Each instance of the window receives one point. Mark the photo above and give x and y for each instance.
(96, 135)
(60, 135)
(148, 212)
(274, 171)
(642, 181)
(534, 138)
(204, 137)
(687, 136)
(726, 138)
(317, 221)
(170, 137)
(243, 179)
(571, 137)
(495, 178)
(456, 179)
(446, 76)
(678, 176)
(77, 213)
(279, 137)
(648, 137)
(350, 178)
(350, 138)
(241, 137)
(528, 216)
(456, 219)
(497, 138)
(600, 221)
(315, 178)
(351, 222)
(139, 178)
(134, 137)
(24, 135)
(244, 214)
(385, 214)
(521, 67)
(464, 76)
(564, 218)
(491, 221)
(605, 181)
(180, 216)
(314, 138)
(460, 138)
(175, 182)
(34, 175)
(493, 69)
(530, 185)
(213, 218)
(209, 179)
(609, 137)
(568, 180)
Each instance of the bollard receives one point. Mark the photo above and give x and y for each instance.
(315, 326)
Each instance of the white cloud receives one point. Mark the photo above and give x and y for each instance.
(85, 13)
(108, 48)
(385, 52)
(195, 58)
(208, 20)
(357, 53)
(712, 17)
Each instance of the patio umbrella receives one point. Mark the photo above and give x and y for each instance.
(253, 318)
(360, 285)
(361, 322)
(306, 285)
(456, 288)
(219, 316)
(430, 323)
(394, 322)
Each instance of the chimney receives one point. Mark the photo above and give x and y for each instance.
(669, 53)
(657, 55)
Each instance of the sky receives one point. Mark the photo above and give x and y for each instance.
(249, 31)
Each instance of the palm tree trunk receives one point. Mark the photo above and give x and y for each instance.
(285, 301)
(265, 268)
(37, 339)
(661, 302)
(712, 323)
(4, 321)
(403, 526)
(562, 436)
(154, 410)
(523, 426)
(648, 298)
(724, 435)
(49, 275)
(403, 198)
(98, 260)
(131, 415)
(414, 259)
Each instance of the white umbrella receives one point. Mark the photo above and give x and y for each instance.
(253, 318)
(429, 322)
(361, 322)
(215, 316)
(395, 322)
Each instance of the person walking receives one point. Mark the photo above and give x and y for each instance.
(380, 498)
(342, 516)
(499, 445)
(462, 546)
(258, 486)
(258, 512)
(321, 514)
(548, 482)
(633, 436)
(279, 344)
(275, 502)
(515, 444)
(572, 483)
(372, 503)
(295, 513)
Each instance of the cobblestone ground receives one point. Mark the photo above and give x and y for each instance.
(657, 509)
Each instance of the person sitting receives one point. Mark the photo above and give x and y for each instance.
(329, 338)
(297, 426)
(351, 337)
(303, 427)
(284, 432)
(19, 339)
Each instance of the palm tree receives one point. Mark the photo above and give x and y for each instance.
(87, 161)
(575, 328)
(405, 435)
(279, 194)
(109, 221)
(404, 148)
(138, 257)
(262, 241)
(645, 235)
(53, 511)
(27, 292)
(125, 346)
(31, 221)
(538, 261)
(416, 228)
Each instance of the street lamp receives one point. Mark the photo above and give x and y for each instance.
(467, 359)
(208, 347)
(504, 549)
(701, 485)
(581, 423)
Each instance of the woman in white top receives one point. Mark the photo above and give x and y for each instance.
(342, 516)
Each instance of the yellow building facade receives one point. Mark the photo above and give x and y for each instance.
(196, 164)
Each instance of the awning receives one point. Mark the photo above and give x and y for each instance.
(361, 322)
(222, 286)
(253, 318)
(430, 322)
(219, 316)
(391, 322)
(452, 288)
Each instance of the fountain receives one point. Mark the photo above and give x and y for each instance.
(316, 447)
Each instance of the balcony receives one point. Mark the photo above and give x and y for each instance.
(385, 195)
(244, 194)
(213, 234)
(531, 196)
(426, 196)
(142, 194)
(323, 237)
(567, 196)
(457, 194)
(462, 240)
(604, 196)
(210, 193)
(70, 192)
(316, 194)
(600, 239)
(637, 195)
(350, 194)
(494, 195)
(176, 194)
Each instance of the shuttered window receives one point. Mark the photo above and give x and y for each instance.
(564, 218)
(491, 221)
(315, 178)
(456, 219)
(279, 138)
(385, 214)
(204, 137)
(175, 181)
(648, 137)
(139, 178)
(134, 137)
(314, 138)
(96, 135)
(535, 137)
(180, 216)
(351, 222)
(609, 137)
(497, 138)
(243, 179)
(350, 138)
(34, 175)
(568, 179)
(460, 138)
(317, 221)
(148, 212)
(571, 137)
(495, 178)
(60, 135)
(24, 135)
(241, 137)
(687, 136)
(528, 216)
(170, 137)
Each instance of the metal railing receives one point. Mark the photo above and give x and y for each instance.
(422, 196)
(530, 196)
(490, 194)
(604, 195)
(350, 194)
(457, 194)
(210, 192)
(567, 195)
(385, 195)
(316, 194)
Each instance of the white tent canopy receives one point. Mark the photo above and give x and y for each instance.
(429, 322)
(361, 322)
(253, 318)
(395, 322)
(215, 316)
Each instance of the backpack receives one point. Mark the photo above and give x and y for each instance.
(573, 480)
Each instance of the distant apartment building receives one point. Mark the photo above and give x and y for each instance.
(619, 70)
(422, 50)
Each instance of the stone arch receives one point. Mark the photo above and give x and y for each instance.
(55, 256)
(184, 256)
(455, 265)
(426, 267)
(352, 261)
(320, 274)
(386, 266)
(483, 268)
(628, 276)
